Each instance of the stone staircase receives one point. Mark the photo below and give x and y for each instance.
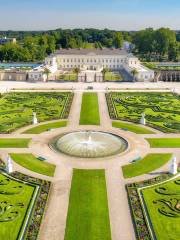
(126, 76)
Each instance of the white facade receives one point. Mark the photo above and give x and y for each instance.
(97, 59)
(51, 64)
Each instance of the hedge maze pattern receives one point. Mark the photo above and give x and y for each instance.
(168, 207)
(161, 109)
(16, 109)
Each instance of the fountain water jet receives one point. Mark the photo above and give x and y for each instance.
(90, 144)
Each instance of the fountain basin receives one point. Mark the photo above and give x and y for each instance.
(89, 144)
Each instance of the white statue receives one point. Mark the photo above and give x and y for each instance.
(143, 119)
(9, 166)
(174, 90)
(35, 120)
(173, 166)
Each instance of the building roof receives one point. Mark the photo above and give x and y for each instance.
(95, 51)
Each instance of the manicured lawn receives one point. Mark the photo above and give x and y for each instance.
(15, 199)
(68, 77)
(30, 162)
(164, 142)
(111, 76)
(89, 109)
(132, 127)
(88, 214)
(16, 108)
(14, 142)
(162, 205)
(45, 127)
(162, 110)
(148, 164)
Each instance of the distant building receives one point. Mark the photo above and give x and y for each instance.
(36, 75)
(6, 40)
(128, 46)
(13, 75)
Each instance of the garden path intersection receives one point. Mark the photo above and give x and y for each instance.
(54, 223)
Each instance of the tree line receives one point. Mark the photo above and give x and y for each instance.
(157, 45)
(150, 45)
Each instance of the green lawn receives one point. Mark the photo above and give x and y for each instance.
(30, 162)
(164, 142)
(88, 214)
(68, 77)
(15, 199)
(14, 142)
(148, 164)
(89, 109)
(132, 127)
(162, 110)
(163, 208)
(111, 76)
(46, 127)
(16, 108)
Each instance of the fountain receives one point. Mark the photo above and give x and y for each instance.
(89, 144)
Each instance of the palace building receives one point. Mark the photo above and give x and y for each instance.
(93, 61)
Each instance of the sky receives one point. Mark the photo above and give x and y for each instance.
(112, 14)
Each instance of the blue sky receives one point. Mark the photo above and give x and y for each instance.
(113, 14)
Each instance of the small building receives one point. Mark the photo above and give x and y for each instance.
(6, 40)
(35, 75)
(13, 75)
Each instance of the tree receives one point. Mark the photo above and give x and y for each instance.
(118, 40)
(173, 52)
(164, 37)
(134, 72)
(76, 70)
(104, 71)
(47, 72)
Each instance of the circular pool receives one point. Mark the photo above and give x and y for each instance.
(89, 144)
